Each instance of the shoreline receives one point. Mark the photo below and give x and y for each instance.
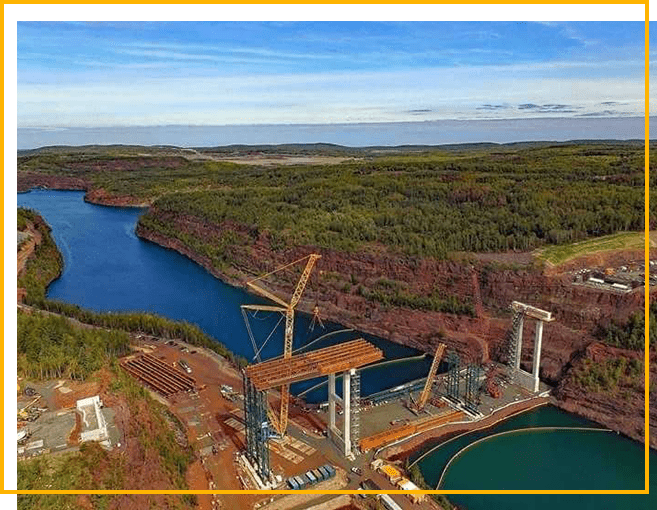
(177, 246)
(432, 438)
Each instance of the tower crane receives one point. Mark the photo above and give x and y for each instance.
(279, 423)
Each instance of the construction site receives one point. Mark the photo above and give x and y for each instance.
(273, 440)
(249, 432)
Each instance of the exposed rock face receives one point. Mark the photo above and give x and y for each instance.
(27, 181)
(566, 341)
(577, 309)
(488, 284)
(101, 197)
(622, 409)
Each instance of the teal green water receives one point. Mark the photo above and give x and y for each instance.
(527, 459)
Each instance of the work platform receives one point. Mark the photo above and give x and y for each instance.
(422, 424)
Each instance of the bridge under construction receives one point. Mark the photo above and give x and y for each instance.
(343, 358)
(454, 396)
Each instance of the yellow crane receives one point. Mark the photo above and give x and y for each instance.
(279, 423)
(424, 396)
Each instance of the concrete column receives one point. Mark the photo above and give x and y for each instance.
(331, 401)
(346, 407)
(519, 343)
(536, 362)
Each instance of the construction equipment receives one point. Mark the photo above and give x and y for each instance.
(492, 383)
(424, 396)
(316, 318)
(279, 423)
(414, 427)
(27, 412)
(472, 386)
(453, 376)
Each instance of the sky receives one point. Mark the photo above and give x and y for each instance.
(112, 74)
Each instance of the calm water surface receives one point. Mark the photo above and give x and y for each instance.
(108, 268)
(534, 460)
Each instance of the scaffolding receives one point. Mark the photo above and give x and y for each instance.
(257, 428)
(453, 377)
(514, 339)
(472, 386)
(355, 407)
(343, 358)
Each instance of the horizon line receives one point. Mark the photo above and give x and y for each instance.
(345, 123)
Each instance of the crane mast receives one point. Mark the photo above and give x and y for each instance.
(289, 334)
(279, 423)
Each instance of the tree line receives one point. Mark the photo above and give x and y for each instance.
(51, 347)
(424, 206)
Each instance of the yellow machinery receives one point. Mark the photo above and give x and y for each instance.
(432, 374)
(26, 413)
(280, 423)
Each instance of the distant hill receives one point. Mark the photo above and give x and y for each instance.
(318, 148)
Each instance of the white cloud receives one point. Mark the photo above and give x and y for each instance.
(325, 97)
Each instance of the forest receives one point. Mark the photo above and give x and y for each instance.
(50, 347)
(46, 263)
(631, 333)
(426, 203)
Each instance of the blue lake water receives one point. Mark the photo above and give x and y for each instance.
(108, 268)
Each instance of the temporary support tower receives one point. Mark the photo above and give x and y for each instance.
(257, 428)
(472, 386)
(453, 377)
(515, 338)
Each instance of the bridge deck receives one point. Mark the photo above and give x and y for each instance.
(329, 360)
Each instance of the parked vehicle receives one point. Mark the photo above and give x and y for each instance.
(185, 366)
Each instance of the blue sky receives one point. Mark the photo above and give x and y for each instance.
(80, 74)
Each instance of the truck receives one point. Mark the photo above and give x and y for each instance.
(326, 475)
(301, 482)
(330, 469)
(185, 366)
(389, 503)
